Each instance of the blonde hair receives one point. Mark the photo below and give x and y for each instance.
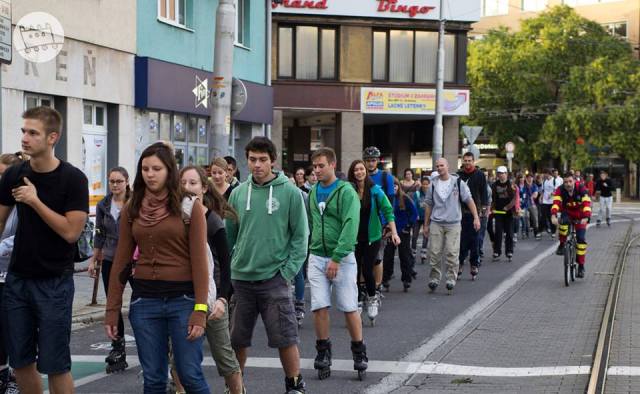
(219, 162)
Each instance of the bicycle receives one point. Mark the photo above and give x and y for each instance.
(570, 256)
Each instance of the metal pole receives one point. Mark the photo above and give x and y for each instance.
(438, 130)
(267, 130)
(219, 144)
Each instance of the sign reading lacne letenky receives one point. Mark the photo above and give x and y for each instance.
(413, 101)
(454, 10)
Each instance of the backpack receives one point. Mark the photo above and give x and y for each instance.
(84, 245)
(385, 183)
(187, 208)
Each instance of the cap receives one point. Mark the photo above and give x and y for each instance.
(502, 169)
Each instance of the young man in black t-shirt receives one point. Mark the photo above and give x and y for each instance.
(52, 199)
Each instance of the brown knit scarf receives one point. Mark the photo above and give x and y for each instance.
(154, 208)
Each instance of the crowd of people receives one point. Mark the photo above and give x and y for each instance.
(206, 254)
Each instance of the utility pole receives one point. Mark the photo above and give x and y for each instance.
(219, 144)
(438, 129)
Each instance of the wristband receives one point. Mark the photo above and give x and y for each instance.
(201, 308)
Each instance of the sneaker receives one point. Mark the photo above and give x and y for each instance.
(553, 235)
(496, 256)
(474, 271)
(598, 223)
(414, 275)
(538, 236)
(509, 255)
(460, 270)
(560, 250)
(433, 285)
(515, 238)
(608, 223)
(580, 273)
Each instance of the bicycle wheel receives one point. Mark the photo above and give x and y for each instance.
(572, 253)
(567, 264)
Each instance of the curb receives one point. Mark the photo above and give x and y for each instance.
(94, 317)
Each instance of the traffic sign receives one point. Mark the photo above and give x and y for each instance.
(510, 147)
(238, 96)
(475, 150)
(471, 132)
(5, 31)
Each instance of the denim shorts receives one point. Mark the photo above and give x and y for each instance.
(270, 299)
(38, 305)
(344, 283)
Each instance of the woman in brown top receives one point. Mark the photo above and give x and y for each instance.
(171, 280)
(409, 185)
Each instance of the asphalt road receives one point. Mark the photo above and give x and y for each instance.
(406, 322)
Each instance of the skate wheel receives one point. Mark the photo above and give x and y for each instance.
(362, 375)
(324, 373)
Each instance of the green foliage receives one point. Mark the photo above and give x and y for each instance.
(560, 78)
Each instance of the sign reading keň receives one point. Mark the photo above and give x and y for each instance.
(454, 10)
(413, 101)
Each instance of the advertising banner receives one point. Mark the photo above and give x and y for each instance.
(458, 10)
(413, 101)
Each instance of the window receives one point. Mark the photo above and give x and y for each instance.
(307, 52)
(36, 100)
(94, 117)
(173, 12)
(243, 22)
(188, 134)
(617, 29)
(495, 7)
(534, 5)
(411, 56)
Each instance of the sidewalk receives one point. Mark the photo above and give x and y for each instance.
(538, 338)
(83, 312)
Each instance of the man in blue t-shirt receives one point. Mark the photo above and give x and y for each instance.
(371, 158)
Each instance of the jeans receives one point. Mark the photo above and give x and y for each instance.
(481, 234)
(605, 208)
(469, 242)
(504, 226)
(404, 253)
(106, 271)
(154, 321)
(298, 282)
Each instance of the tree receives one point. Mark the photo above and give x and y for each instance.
(526, 85)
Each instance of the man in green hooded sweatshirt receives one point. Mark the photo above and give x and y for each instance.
(334, 210)
(269, 244)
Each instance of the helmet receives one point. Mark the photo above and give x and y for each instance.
(371, 152)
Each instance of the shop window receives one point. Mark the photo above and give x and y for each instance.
(173, 12)
(495, 7)
(243, 22)
(37, 100)
(411, 56)
(307, 52)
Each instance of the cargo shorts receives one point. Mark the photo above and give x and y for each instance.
(272, 300)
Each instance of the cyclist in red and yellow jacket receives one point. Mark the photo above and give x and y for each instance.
(573, 201)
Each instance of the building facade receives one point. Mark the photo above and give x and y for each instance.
(174, 73)
(90, 82)
(353, 74)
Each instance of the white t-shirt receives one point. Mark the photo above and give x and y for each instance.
(443, 188)
(549, 187)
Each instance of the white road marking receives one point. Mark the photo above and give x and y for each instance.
(396, 380)
(427, 368)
